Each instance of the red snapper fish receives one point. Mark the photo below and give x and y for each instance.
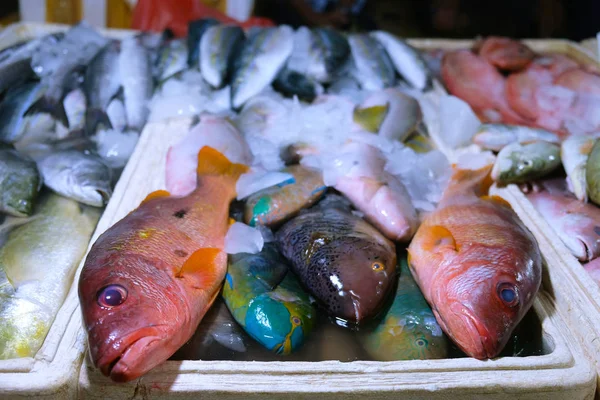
(149, 279)
(477, 265)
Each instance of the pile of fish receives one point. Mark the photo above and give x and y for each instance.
(289, 209)
(507, 82)
(60, 155)
(547, 141)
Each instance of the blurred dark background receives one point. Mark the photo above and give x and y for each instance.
(571, 19)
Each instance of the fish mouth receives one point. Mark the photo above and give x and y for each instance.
(479, 340)
(123, 364)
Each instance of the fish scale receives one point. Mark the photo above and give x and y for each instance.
(344, 262)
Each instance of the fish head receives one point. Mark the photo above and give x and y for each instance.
(279, 320)
(132, 311)
(360, 275)
(479, 301)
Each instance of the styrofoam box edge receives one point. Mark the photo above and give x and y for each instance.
(564, 373)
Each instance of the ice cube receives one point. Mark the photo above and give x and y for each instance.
(458, 122)
(258, 179)
(241, 238)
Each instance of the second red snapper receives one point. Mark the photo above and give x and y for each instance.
(149, 279)
(477, 265)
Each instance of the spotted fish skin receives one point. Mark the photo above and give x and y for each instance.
(342, 260)
(267, 300)
(278, 203)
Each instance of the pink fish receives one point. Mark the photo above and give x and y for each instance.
(576, 223)
(593, 269)
(379, 195)
(473, 79)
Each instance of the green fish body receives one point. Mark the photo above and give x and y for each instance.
(278, 203)
(37, 264)
(409, 330)
(267, 300)
(20, 183)
(517, 163)
(592, 173)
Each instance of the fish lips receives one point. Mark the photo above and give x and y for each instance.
(127, 359)
(469, 333)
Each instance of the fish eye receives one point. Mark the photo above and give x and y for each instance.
(112, 296)
(508, 294)
(296, 321)
(421, 342)
(377, 266)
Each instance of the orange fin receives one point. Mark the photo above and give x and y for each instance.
(231, 221)
(437, 237)
(480, 179)
(212, 162)
(497, 199)
(202, 260)
(155, 195)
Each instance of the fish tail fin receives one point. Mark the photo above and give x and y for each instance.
(95, 117)
(46, 105)
(213, 162)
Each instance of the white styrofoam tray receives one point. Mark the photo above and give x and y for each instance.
(52, 372)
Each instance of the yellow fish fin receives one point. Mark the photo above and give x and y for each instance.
(155, 195)
(212, 162)
(202, 260)
(231, 221)
(371, 118)
(497, 199)
(437, 237)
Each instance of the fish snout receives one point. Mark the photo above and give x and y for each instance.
(471, 334)
(129, 357)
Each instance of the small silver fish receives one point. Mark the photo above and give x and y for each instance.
(15, 61)
(196, 30)
(574, 152)
(78, 176)
(58, 65)
(101, 84)
(495, 136)
(517, 163)
(171, 60)
(136, 75)
(14, 106)
(408, 61)
(374, 69)
(218, 44)
(116, 114)
(263, 55)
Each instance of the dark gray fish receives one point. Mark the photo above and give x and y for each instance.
(78, 176)
(15, 61)
(59, 65)
(195, 31)
(14, 106)
(102, 83)
(336, 49)
(342, 260)
(20, 183)
(218, 44)
(291, 83)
